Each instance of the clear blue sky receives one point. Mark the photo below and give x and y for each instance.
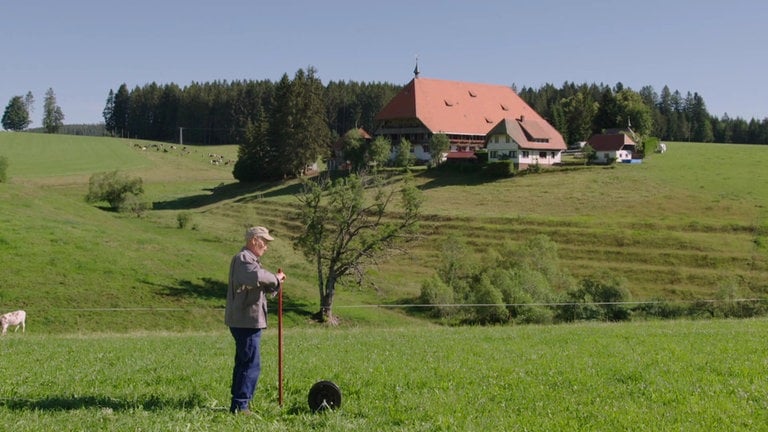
(83, 48)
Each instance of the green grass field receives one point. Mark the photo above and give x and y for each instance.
(684, 375)
(125, 328)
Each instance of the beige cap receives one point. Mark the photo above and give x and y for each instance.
(258, 231)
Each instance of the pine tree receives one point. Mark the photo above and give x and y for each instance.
(311, 138)
(16, 116)
(109, 113)
(701, 127)
(120, 111)
(53, 117)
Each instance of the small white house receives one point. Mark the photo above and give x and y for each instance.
(614, 147)
(524, 142)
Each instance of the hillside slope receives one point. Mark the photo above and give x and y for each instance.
(682, 225)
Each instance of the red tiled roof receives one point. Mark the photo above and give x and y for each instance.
(339, 144)
(364, 134)
(454, 107)
(610, 142)
(461, 155)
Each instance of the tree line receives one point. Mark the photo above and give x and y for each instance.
(219, 112)
(580, 110)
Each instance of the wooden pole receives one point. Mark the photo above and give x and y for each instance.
(280, 346)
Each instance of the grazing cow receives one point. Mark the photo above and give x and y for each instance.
(16, 318)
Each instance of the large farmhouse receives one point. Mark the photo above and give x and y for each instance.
(466, 113)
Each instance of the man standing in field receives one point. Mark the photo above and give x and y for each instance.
(246, 313)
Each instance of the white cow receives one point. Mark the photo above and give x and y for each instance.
(16, 318)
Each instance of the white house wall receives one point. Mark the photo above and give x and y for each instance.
(499, 150)
(614, 155)
(502, 149)
(417, 150)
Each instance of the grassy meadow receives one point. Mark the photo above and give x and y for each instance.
(649, 376)
(125, 314)
(684, 225)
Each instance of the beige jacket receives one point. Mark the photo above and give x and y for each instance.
(246, 294)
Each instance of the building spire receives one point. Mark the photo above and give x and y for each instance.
(416, 69)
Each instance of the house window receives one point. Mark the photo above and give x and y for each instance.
(514, 155)
(525, 154)
(543, 154)
(508, 138)
(493, 154)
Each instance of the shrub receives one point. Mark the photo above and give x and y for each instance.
(597, 299)
(435, 292)
(500, 169)
(183, 219)
(659, 308)
(530, 314)
(133, 203)
(490, 307)
(113, 187)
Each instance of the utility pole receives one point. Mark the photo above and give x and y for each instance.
(181, 135)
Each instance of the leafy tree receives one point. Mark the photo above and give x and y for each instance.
(404, 158)
(114, 188)
(438, 144)
(53, 117)
(436, 293)
(457, 268)
(381, 149)
(598, 298)
(347, 227)
(16, 115)
(134, 203)
(490, 303)
(590, 154)
(633, 111)
(354, 149)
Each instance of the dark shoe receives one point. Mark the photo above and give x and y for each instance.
(244, 412)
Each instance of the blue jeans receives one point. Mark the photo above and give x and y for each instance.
(245, 374)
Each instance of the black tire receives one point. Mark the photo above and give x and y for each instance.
(324, 395)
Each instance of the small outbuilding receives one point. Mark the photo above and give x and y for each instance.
(612, 147)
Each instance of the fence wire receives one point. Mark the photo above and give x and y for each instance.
(430, 305)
